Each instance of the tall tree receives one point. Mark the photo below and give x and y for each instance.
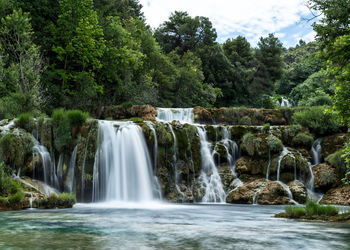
(79, 46)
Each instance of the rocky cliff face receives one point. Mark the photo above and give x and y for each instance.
(254, 164)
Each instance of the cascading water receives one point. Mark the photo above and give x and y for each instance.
(175, 114)
(49, 168)
(214, 191)
(71, 170)
(316, 152)
(284, 102)
(122, 169)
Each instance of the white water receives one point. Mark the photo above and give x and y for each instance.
(71, 170)
(49, 169)
(122, 169)
(284, 102)
(175, 114)
(214, 191)
(316, 152)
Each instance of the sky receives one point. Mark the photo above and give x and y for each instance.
(250, 18)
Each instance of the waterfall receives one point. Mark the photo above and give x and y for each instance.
(71, 170)
(175, 114)
(284, 103)
(122, 169)
(49, 168)
(280, 158)
(316, 152)
(214, 191)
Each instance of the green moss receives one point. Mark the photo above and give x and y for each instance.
(126, 104)
(246, 121)
(303, 140)
(266, 127)
(26, 122)
(337, 161)
(295, 211)
(274, 144)
(136, 119)
(63, 200)
(15, 198)
(254, 144)
(61, 129)
(15, 147)
(3, 201)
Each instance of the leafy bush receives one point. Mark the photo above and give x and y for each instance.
(15, 198)
(15, 147)
(346, 156)
(266, 127)
(126, 104)
(245, 121)
(63, 200)
(61, 129)
(275, 145)
(303, 140)
(12, 105)
(76, 117)
(26, 122)
(318, 120)
(3, 201)
(337, 161)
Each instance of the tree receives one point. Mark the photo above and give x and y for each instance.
(184, 33)
(79, 46)
(21, 61)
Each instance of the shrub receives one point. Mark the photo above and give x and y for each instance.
(26, 122)
(61, 129)
(15, 147)
(76, 117)
(12, 105)
(245, 121)
(63, 200)
(303, 140)
(318, 120)
(3, 201)
(15, 198)
(337, 161)
(126, 104)
(266, 127)
(275, 145)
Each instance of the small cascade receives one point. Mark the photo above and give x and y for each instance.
(31, 200)
(284, 103)
(71, 170)
(268, 166)
(316, 151)
(280, 158)
(175, 114)
(49, 168)
(157, 187)
(214, 191)
(122, 169)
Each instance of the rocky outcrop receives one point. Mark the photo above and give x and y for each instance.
(326, 177)
(261, 192)
(333, 143)
(299, 191)
(338, 196)
(237, 116)
(145, 112)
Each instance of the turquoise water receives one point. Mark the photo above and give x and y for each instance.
(162, 226)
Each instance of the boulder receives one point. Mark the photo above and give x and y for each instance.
(298, 190)
(259, 191)
(146, 112)
(337, 196)
(250, 166)
(333, 143)
(326, 177)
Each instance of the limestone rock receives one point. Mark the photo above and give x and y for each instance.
(299, 191)
(337, 196)
(326, 177)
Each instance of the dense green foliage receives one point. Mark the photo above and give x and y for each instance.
(25, 121)
(11, 191)
(63, 200)
(318, 120)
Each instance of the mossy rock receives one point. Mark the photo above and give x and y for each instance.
(331, 144)
(255, 145)
(16, 147)
(303, 140)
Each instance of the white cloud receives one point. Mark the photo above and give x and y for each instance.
(253, 18)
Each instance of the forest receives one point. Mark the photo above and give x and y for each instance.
(92, 53)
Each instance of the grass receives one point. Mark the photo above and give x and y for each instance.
(311, 210)
(64, 200)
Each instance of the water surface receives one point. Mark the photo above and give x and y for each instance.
(162, 226)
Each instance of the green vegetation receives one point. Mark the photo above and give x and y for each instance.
(275, 145)
(318, 120)
(63, 200)
(26, 122)
(337, 161)
(303, 139)
(11, 192)
(311, 210)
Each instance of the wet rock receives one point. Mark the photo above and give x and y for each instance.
(250, 166)
(337, 196)
(255, 145)
(333, 143)
(326, 177)
(226, 176)
(145, 112)
(299, 191)
(261, 192)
